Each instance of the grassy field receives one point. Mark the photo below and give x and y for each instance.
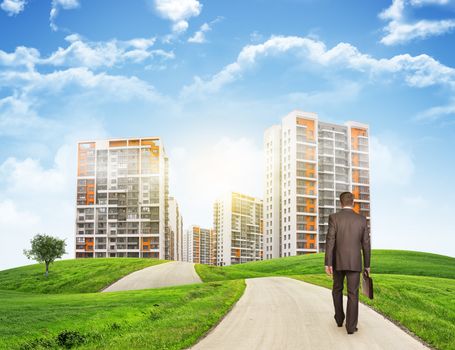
(71, 276)
(424, 305)
(416, 289)
(64, 310)
(382, 261)
(166, 318)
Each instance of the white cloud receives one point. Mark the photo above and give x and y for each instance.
(403, 32)
(399, 30)
(103, 54)
(80, 52)
(429, 2)
(29, 177)
(199, 36)
(391, 164)
(36, 200)
(17, 116)
(20, 112)
(418, 71)
(13, 7)
(22, 56)
(55, 9)
(178, 11)
(437, 112)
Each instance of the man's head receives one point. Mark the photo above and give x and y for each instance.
(346, 199)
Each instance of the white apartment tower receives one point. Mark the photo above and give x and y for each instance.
(238, 225)
(308, 164)
(122, 199)
(175, 230)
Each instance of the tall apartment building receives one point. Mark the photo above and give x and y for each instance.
(175, 231)
(200, 245)
(122, 199)
(308, 164)
(238, 225)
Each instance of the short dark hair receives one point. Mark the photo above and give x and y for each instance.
(346, 199)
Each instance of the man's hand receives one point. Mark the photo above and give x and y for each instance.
(367, 269)
(329, 270)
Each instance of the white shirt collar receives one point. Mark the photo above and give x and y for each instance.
(347, 207)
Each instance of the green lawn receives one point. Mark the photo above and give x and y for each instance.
(166, 318)
(52, 313)
(424, 305)
(382, 261)
(414, 288)
(71, 276)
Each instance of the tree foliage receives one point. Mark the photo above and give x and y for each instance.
(46, 249)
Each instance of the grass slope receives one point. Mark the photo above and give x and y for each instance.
(166, 318)
(424, 305)
(71, 276)
(382, 261)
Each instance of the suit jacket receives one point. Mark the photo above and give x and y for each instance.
(348, 234)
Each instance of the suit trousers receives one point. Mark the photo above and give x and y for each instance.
(352, 310)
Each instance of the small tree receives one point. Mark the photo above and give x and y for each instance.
(46, 249)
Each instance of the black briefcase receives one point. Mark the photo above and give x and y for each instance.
(367, 284)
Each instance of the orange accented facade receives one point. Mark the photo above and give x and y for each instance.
(122, 200)
(200, 245)
(309, 163)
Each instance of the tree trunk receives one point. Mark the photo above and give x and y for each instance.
(47, 268)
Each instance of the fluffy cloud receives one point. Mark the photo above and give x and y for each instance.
(55, 9)
(178, 11)
(83, 53)
(399, 31)
(35, 200)
(418, 71)
(20, 112)
(437, 112)
(199, 36)
(13, 7)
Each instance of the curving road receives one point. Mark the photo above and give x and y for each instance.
(163, 275)
(279, 313)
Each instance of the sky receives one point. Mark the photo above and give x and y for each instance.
(209, 77)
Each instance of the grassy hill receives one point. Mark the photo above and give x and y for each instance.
(71, 276)
(165, 318)
(64, 311)
(415, 289)
(424, 305)
(382, 261)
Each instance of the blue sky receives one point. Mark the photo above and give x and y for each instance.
(209, 78)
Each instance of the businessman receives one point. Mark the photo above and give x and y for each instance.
(348, 234)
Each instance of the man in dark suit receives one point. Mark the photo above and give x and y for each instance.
(348, 234)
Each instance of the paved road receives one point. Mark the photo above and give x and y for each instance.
(279, 313)
(163, 275)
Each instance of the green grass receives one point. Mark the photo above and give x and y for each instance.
(413, 288)
(382, 261)
(71, 276)
(424, 305)
(166, 318)
(35, 311)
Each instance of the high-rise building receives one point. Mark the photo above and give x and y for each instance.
(175, 230)
(308, 164)
(200, 245)
(122, 199)
(238, 225)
